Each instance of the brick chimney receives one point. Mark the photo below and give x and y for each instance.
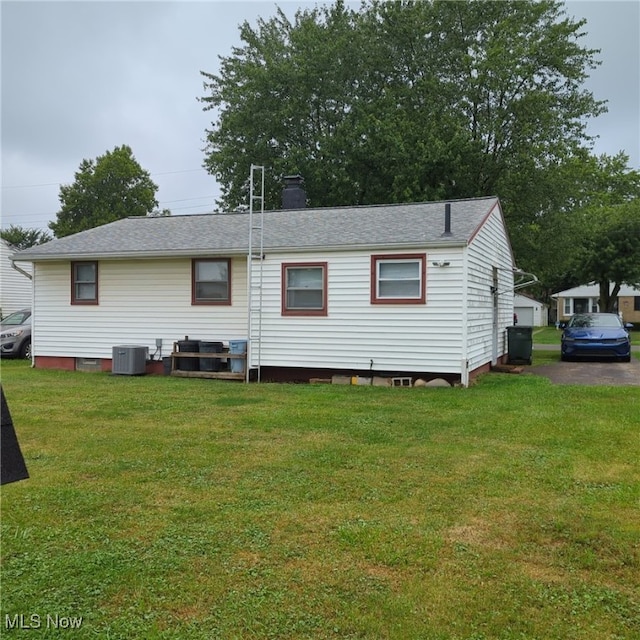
(293, 194)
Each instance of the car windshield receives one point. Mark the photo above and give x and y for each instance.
(597, 320)
(19, 317)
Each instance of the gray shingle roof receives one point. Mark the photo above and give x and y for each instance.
(391, 226)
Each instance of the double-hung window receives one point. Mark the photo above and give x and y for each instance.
(398, 279)
(211, 281)
(84, 283)
(304, 289)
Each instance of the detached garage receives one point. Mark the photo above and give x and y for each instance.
(530, 312)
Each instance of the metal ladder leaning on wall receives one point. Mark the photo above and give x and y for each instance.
(255, 262)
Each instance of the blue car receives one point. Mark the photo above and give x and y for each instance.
(596, 335)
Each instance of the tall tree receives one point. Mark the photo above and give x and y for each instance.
(580, 194)
(22, 238)
(404, 101)
(609, 253)
(111, 187)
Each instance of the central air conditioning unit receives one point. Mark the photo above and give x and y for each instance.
(129, 360)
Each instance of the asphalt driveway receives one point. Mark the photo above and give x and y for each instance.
(592, 372)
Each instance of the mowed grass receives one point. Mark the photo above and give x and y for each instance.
(546, 335)
(200, 509)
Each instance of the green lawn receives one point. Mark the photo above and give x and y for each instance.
(181, 508)
(546, 335)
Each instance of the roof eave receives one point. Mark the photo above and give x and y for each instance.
(188, 253)
(128, 255)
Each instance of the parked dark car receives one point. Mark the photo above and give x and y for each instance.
(596, 335)
(15, 334)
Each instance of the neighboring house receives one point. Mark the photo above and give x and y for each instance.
(15, 285)
(530, 312)
(407, 289)
(584, 299)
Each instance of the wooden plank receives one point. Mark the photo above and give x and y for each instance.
(217, 375)
(214, 355)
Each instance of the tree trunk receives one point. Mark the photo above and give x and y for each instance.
(608, 299)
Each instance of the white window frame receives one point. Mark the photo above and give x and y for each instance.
(420, 259)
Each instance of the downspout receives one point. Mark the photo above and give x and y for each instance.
(20, 270)
(464, 356)
(495, 313)
(30, 276)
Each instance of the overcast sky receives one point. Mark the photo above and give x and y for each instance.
(82, 77)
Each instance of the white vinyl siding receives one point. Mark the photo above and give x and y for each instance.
(356, 332)
(140, 301)
(15, 289)
(489, 249)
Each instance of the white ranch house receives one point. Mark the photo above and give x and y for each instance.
(586, 299)
(420, 290)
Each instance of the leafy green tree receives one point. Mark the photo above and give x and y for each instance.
(610, 251)
(113, 186)
(22, 238)
(578, 192)
(402, 101)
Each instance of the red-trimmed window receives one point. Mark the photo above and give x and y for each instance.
(398, 279)
(84, 282)
(211, 281)
(304, 289)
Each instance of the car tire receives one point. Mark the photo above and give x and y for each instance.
(25, 350)
(626, 358)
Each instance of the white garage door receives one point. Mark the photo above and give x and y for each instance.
(525, 315)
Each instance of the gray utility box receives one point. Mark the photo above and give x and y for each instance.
(129, 360)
